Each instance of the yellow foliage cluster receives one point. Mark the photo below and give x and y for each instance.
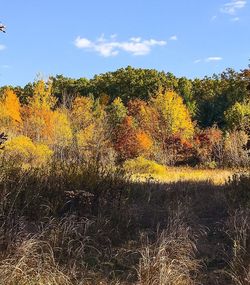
(140, 165)
(62, 133)
(174, 115)
(22, 150)
(82, 113)
(42, 98)
(85, 136)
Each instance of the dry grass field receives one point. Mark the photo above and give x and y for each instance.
(71, 225)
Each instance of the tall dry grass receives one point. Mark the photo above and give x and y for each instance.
(71, 224)
(238, 231)
(32, 262)
(171, 259)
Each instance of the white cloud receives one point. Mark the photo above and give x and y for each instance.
(112, 47)
(105, 49)
(213, 18)
(82, 43)
(2, 47)
(134, 39)
(231, 7)
(213, 58)
(173, 38)
(208, 59)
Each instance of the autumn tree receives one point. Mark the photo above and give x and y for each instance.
(10, 116)
(131, 141)
(81, 113)
(145, 115)
(90, 126)
(174, 117)
(125, 143)
(173, 120)
(44, 124)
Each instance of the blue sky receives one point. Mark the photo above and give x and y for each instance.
(80, 38)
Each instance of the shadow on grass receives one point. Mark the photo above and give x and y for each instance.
(81, 226)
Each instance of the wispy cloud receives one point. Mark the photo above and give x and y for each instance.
(235, 19)
(232, 7)
(213, 58)
(2, 47)
(111, 47)
(209, 59)
(197, 60)
(173, 38)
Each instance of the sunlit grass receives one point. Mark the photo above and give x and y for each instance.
(176, 174)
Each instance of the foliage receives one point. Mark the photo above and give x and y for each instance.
(21, 150)
(117, 112)
(140, 165)
(238, 116)
(209, 146)
(42, 98)
(174, 116)
(133, 112)
(10, 117)
(62, 133)
(82, 113)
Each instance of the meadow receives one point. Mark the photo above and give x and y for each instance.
(68, 224)
(102, 182)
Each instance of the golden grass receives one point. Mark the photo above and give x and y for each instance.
(177, 174)
(32, 263)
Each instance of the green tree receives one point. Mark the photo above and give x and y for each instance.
(238, 116)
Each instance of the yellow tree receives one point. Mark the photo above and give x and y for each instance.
(174, 117)
(89, 122)
(38, 115)
(82, 120)
(173, 122)
(42, 123)
(82, 113)
(10, 116)
(61, 133)
(42, 97)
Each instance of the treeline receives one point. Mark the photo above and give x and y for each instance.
(130, 113)
(207, 99)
